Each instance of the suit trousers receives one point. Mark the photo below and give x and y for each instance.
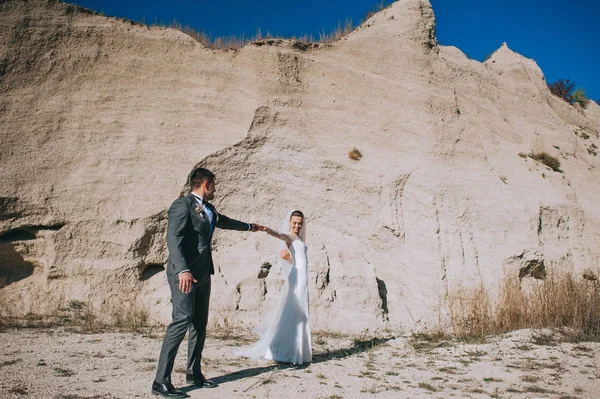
(190, 312)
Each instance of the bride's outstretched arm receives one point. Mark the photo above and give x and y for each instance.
(276, 234)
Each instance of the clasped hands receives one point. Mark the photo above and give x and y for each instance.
(257, 227)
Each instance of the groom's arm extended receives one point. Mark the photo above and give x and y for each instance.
(223, 222)
(177, 220)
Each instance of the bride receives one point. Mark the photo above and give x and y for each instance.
(287, 337)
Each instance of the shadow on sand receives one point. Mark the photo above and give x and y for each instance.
(357, 347)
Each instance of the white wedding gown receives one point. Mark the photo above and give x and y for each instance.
(287, 337)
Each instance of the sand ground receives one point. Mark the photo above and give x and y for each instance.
(63, 363)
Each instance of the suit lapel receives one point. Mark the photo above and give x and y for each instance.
(199, 218)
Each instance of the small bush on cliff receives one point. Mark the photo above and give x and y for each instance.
(580, 98)
(563, 88)
(547, 159)
(566, 89)
(355, 154)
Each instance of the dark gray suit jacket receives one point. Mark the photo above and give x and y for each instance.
(189, 236)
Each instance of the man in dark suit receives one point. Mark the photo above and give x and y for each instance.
(191, 223)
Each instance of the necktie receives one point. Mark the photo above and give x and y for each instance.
(209, 214)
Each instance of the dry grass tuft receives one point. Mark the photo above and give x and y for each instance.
(428, 340)
(222, 43)
(229, 331)
(79, 315)
(545, 158)
(355, 154)
(234, 42)
(19, 390)
(302, 43)
(560, 300)
(339, 32)
(469, 312)
(125, 317)
(427, 386)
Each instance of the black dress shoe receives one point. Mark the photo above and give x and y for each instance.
(200, 381)
(166, 390)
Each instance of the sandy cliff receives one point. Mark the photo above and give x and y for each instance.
(101, 120)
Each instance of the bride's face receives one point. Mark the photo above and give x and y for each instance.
(296, 224)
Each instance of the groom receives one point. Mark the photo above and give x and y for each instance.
(191, 223)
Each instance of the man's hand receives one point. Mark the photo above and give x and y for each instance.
(285, 254)
(256, 227)
(185, 282)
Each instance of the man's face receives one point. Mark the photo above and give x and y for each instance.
(209, 190)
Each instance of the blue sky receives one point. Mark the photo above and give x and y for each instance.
(562, 36)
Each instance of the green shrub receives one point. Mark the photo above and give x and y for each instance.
(579, 97)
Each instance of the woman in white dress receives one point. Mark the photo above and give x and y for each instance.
(287, 336)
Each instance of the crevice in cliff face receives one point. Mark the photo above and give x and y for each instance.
(381, 287)
(13, 267)
(476, 257)
(397, 227)
(443, 267)
(265, 268)
(326, 279)
(517, 257)
(20, 250)
(263, 290)
(332, 297)
(150, 270)
(462, 247)
(322, 279)
(25, 233)
(533, 268)
(238, 291)
(17, 235)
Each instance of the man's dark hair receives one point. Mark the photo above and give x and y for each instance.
(199, 175)
(297, 213)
